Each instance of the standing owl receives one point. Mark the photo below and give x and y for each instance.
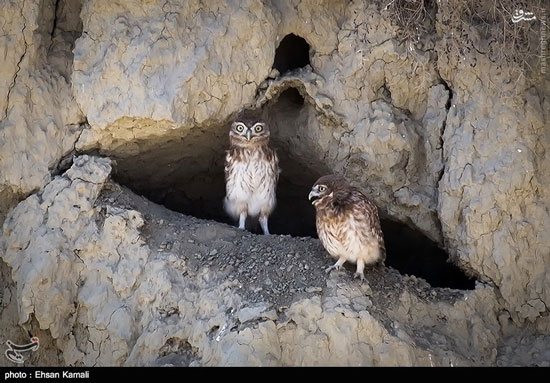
(251, 172)
(347, 223)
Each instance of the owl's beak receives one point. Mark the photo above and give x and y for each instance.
(313, 196)
(248, 134)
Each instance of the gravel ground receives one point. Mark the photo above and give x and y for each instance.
(279, 269)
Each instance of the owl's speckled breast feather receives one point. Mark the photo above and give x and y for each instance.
(251, 175)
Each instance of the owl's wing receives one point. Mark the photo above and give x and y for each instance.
(275, 166)
(366, 214)
(271, 156)
(229, 164)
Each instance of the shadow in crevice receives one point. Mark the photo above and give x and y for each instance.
(412, 253)
(64, 28)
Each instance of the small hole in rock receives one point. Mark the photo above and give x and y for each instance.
(292, 53)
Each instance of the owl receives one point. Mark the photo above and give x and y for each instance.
(347, 223)
(251, 172)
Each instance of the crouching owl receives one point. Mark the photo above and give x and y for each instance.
(347, 223)
(251, 172)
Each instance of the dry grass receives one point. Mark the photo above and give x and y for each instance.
(414, 18)
(484, 25)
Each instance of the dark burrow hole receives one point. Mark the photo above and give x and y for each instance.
(185, 174)
(292, 53)
(412, 253)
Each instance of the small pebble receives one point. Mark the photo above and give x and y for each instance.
(313, 289)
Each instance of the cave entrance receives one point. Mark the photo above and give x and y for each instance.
(412, 253)
(185, 174)
(292, 53)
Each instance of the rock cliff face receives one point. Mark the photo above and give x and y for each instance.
(100, 101)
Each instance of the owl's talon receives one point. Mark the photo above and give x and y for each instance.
(360, 276)
(337, 265)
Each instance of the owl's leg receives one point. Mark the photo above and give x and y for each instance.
(242, 220)
(263, 224)
(359, 272)
(336, 266)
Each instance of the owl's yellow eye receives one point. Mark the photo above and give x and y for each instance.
(258, 128)
(322, 188)
(240, 128)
